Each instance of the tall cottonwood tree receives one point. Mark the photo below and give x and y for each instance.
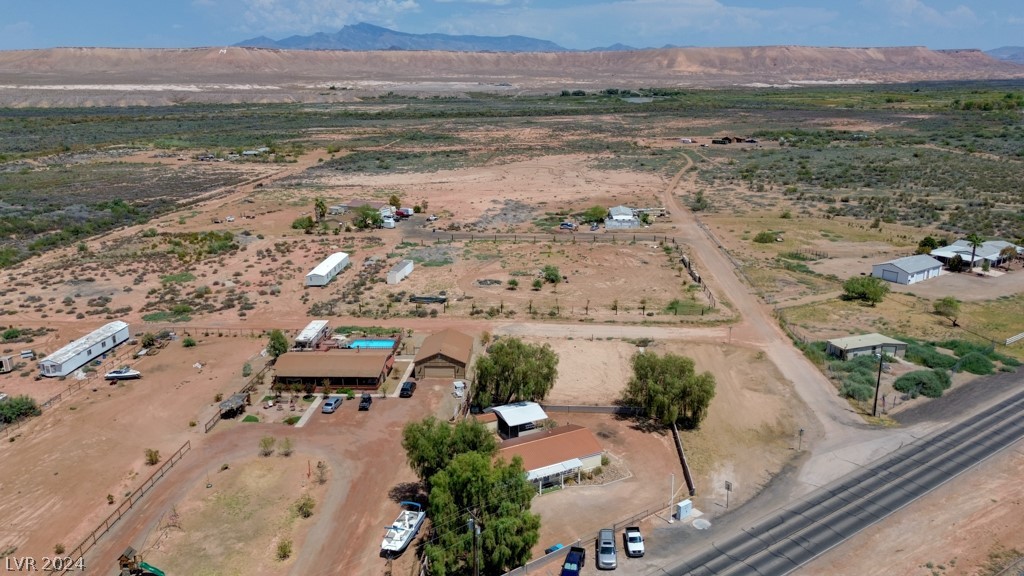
(457, 467)
(497, 496)
(669, 389)
(430, 444)
(514, 371)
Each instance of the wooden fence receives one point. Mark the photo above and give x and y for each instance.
(76, 385)
(566, 238)
(249, 387)
(78, 552)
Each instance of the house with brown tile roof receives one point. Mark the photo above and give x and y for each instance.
(552, 455)
(346, 368)
(444, 354)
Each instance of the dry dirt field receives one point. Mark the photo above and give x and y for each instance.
(101, 431)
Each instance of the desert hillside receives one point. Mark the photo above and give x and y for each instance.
(91, 76)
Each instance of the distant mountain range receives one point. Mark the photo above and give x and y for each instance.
(1008, 53)
(368, 37)
(360, 37)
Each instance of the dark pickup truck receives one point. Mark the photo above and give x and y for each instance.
(574, 561)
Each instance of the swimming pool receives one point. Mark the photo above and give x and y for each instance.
(371, 343)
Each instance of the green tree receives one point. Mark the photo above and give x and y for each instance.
(188, 342)
(319, 209)
(498, 496)
(669, 389)
(551, 274)
(367, 217)
(594, 214)
(513, 283)
(304, 223)
(267, 444)
(18, 407)
(948, 307)
(976, 242)
(430, 444)
(867, 288)
(926, 245)
(956, 263)
(395, 201)
(537, 283)
(278, 344)
(700, 202)
(930, 383)
(513, 370)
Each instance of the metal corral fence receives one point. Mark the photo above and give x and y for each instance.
(249, 387)
(1014, 339)
(79, 551)
(579, 408)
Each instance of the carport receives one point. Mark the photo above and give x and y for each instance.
(555, 474)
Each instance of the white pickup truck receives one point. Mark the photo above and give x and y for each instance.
(634, 542)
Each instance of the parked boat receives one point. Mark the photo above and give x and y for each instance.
(123, 373)
(402, 532)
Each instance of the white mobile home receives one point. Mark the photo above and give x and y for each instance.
(327, 270)
(81, 351)
(909, 270)
(312, 334)
(400, 271)
(621, 217)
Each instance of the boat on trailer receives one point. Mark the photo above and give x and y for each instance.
(123, 373)
(404, 529)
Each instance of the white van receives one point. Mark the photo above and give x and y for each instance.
(331, 404)
(389, 222)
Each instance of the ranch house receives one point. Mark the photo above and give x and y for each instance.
(361, 369)
(552, 455)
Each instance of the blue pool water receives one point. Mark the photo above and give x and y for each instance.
(367, 343)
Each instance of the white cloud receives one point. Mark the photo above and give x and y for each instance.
(491, 2)
(642, 22)
(914, 13)
(306, 16)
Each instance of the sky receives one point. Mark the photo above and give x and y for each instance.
(573, 24)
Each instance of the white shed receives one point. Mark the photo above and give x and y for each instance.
(78, 353)
(909, 270)
(400, 271)
(328, 269)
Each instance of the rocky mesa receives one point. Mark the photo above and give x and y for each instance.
(123, 76)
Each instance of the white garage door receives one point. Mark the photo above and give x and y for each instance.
(890, 275)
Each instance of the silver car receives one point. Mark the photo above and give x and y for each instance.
(606, 550)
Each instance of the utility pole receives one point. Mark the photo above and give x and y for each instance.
(474, 530)
(801, 445)
(671, 495)
(878, 383)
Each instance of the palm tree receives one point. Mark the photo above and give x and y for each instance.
(320, 209)
(976, 242)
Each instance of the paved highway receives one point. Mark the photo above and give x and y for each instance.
(789, 538)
